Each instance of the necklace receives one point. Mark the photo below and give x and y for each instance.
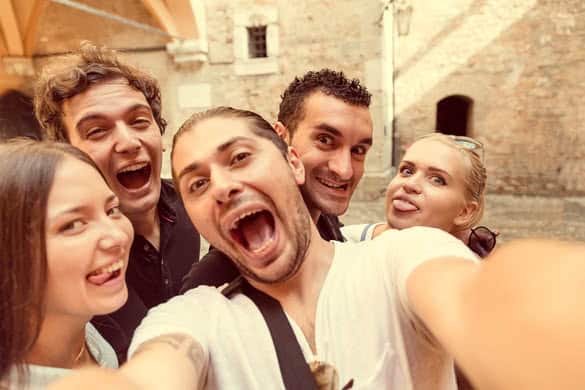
(80, 354)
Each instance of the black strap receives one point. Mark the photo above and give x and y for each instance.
(295, 371)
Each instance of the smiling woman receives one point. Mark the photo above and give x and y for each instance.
(63, 251)
(440, 183)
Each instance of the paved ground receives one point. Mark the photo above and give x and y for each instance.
(514, 216)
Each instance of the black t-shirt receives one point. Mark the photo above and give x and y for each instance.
(216, 269)
(153, 276)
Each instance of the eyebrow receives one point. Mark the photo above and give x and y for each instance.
(433, 169)
(221, 148)
(78, 209)
(100, 115)
(333, 131)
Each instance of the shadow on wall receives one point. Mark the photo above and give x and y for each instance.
(17, 117)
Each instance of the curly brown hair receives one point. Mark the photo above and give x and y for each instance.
(75, 73)
(327, 81)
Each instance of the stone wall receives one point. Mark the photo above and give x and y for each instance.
(522, 62)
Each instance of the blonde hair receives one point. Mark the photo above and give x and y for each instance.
(476, 177)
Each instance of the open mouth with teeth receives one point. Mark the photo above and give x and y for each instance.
(333, 185)
(254, 231)
(105, 274)
(134, 176)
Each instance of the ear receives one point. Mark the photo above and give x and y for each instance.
(466, 214)
(282, 131)
(296, 165)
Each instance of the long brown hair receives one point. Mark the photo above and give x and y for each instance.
(27, 171)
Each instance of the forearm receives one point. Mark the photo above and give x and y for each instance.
(516, 321)
(173, 361)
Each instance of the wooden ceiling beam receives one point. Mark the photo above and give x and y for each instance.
(32, 26)
(185, 18)
(159, 10)
(9, 25)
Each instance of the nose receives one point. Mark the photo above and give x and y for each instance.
(340, 164)
(223, 186)
(113, 237)
(126, 139)
(411, 184)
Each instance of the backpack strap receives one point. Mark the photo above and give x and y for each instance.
(294, 369)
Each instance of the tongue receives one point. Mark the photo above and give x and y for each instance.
(257, 229)
(99, 279)
(134, 179)
(402, 205)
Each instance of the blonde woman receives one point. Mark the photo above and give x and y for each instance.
(440, 183)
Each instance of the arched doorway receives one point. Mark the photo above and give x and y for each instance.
(454, 115)
(17, 118)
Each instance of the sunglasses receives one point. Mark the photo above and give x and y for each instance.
(482, 240)
(471, 144)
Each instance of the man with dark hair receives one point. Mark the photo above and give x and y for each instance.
(325, 117)
(394, 321)
(112, 111)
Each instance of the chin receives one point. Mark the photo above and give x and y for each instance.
(112, 304)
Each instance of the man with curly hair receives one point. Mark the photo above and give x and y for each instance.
(112, 111)
(325, 117)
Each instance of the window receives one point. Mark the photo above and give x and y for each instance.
(257, 42)
(454, 114)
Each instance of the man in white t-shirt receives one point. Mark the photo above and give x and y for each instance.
(383, 313)
(353, 315)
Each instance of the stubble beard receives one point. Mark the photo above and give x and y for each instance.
(300, 235)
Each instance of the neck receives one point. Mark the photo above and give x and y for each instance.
(299, 295)
(304, 287)
(315, 214)
(147, 225)
(61, 342)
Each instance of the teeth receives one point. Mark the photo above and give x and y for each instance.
(331, 184)
(133, 167)
(237, 221)
(110, 268)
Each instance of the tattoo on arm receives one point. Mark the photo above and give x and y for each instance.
(182, 343)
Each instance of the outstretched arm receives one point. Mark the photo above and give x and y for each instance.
(515, 321)
(171, 361)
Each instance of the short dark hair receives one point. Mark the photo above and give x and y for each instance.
(259, 126)
(291, 110)
(77, 72)
(27, 173)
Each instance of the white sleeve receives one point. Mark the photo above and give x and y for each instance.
(409, 248)
(358, 233)
(189, 314)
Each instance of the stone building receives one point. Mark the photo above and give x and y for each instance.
(507, 72)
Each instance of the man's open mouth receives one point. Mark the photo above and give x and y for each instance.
(105, 274)
(134, 176)
(254, 231)
(332, 184)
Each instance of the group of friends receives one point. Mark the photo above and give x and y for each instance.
(102, 286)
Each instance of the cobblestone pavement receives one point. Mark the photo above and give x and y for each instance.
(514, 216)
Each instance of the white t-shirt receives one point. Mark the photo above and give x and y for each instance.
(358, 233)
(363, 325)
(39, 377)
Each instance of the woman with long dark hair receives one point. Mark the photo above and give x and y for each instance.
(63, 254)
